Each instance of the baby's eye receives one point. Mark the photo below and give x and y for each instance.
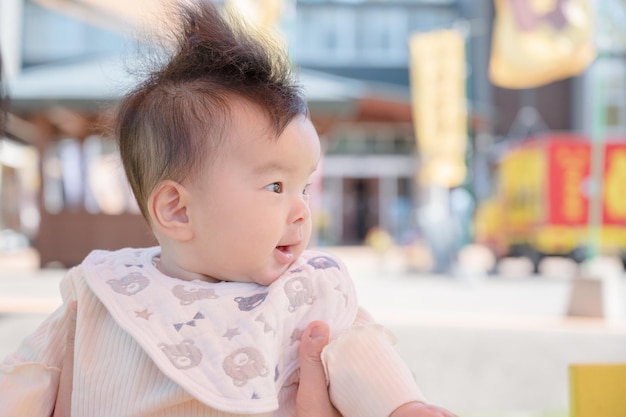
(306, 189)
(275, 187)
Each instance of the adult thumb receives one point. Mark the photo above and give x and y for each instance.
(314, 338)
(312, 398)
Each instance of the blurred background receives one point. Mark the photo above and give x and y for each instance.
(474, 166)
(446, 124)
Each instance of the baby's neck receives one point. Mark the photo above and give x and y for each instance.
(172, 269)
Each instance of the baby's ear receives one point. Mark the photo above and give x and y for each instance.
(168, 209)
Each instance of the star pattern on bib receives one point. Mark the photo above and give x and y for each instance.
(144, 314)
(231, 332)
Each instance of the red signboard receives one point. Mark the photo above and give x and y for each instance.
(568, 173)
(569, 163)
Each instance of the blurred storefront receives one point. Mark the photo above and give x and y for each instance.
(568, 74)
(63, 60)
(80, 201)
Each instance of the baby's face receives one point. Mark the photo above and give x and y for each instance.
(250, 211)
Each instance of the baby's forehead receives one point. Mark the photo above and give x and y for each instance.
(265, 150)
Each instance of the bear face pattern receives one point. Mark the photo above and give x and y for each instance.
(299, 292)
(244, 364)
(323, 262)
(184, 355)
(129, 284)
(188, 295)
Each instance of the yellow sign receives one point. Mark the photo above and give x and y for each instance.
(596, 389)
(536, 42)
(614, 185)
(437, 74)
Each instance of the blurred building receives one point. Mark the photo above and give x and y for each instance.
(587, 108)
(63, 62)
(371, 159)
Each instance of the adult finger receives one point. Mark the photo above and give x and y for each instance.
(312, 399)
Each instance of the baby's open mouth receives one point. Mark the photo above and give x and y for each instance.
(285, 249)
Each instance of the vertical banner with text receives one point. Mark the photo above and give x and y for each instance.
(437, 75)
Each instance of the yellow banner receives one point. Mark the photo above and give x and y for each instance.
(536, 42)
(437, 75)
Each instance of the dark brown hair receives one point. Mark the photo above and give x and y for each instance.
(172, 124)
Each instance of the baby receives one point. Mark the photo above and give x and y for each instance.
(219, 151)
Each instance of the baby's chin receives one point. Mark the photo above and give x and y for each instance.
(262, 274)
(270, 276)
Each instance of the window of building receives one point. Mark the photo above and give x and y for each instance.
(367, 33)
(326, 32)
(374, 138)
(50, 36)
(436, 18)
(612, 94)
(381, 34)
(616, 99)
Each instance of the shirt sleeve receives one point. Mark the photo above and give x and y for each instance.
(367, 377)
(29, 377)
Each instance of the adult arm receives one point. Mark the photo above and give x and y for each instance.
(368, 378)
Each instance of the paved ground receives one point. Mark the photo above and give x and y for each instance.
(482, 347)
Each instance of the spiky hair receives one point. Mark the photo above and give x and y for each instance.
(173, 123)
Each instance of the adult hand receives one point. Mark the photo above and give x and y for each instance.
(312, 399)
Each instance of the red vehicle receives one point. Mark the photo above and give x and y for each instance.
(541, 206)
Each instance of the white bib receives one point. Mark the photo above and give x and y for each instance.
(230, 345)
